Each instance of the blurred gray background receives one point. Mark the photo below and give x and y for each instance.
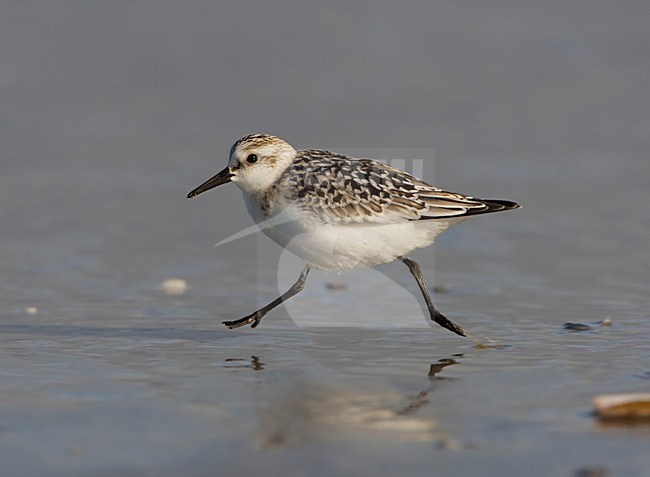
(112, 111)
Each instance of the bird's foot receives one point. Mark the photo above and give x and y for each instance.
(445, 322)
(253, 319)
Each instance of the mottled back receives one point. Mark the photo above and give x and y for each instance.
(343, 190)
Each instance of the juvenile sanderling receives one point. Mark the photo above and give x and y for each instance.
(341, 213)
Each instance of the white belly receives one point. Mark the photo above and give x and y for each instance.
(347, 247)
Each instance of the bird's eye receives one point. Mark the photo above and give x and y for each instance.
(251, 159)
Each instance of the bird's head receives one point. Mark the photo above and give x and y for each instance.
(255, 163)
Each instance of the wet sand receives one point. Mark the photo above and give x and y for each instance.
(111, 114)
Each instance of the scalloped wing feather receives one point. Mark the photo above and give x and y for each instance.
(342, 190)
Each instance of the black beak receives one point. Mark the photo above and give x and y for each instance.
(223, 177)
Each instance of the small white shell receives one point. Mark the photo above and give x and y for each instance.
(174, 286)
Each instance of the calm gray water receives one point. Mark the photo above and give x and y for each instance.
(111, 112)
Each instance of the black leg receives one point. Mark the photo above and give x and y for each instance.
(256, 316)
(435, 314)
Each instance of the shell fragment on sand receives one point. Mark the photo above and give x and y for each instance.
(587, 326)
(622, 406)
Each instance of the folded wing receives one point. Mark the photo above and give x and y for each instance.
(338, 189)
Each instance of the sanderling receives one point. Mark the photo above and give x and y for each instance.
(341, 213)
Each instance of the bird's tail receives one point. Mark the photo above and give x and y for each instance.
(494, 205)
(497, 205)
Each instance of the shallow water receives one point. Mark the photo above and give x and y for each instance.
(110, 375)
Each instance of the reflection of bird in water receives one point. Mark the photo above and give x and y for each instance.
(317, 411)
(255, 364)
(340, 213)
(421, 399)
(436, 368)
